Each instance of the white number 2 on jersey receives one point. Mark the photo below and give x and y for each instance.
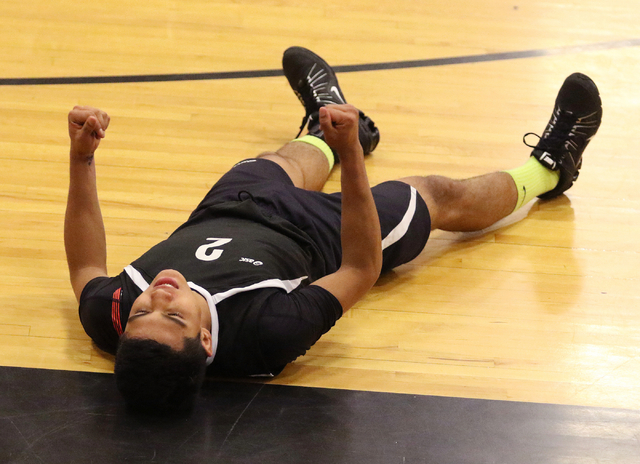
(210, 251)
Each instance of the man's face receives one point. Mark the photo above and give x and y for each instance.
(167, 311)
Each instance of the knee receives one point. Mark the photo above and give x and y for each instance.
(444, 191)
(290, 165)
(437, 191)
(442, 196)
(267, 154)
(286, 161)
(448, 196)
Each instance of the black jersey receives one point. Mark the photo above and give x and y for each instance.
(252, 248)
(245, 265)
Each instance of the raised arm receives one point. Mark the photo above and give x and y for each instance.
(360, 233)
(84, 236)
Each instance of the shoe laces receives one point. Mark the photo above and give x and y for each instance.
(305, 120)
(558, 132)
(318, 85)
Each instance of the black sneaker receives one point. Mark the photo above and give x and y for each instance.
(316, 85)
(575, 120)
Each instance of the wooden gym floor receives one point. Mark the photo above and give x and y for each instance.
(542, 308)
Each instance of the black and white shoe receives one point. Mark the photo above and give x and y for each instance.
(315, 84)
(575, 120)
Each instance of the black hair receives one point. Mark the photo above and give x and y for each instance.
(154, 378)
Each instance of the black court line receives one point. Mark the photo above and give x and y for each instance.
(344, 68)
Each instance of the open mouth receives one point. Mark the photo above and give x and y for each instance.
(166, 282)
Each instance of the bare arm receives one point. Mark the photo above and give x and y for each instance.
(84, 236)
(361, 247)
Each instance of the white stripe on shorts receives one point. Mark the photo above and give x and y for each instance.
(398, 232)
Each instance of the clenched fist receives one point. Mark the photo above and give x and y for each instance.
(87, 126)
(339, 124)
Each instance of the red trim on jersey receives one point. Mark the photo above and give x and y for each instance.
(115, 311)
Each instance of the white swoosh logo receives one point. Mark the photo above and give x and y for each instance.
(335, 90)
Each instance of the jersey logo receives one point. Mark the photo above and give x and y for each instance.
(115, 311)
(252, 261)
(211, 251)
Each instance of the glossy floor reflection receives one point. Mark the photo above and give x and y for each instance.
(72, 417)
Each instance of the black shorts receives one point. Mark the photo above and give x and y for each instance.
(404, 218)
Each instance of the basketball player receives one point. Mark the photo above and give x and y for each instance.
(266, 264)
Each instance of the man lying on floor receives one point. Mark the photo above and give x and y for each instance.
(266, 264)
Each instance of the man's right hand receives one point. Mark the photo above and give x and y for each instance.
(87, 125)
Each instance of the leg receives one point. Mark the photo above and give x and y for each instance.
(306, 165)
(466, 205)
(315, 84)
(477, 203)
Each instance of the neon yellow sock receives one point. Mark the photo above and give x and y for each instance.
(321, 144)
(532, 179)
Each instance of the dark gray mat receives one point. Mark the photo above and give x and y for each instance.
(72, 417)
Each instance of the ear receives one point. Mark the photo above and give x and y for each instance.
(207, 342)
